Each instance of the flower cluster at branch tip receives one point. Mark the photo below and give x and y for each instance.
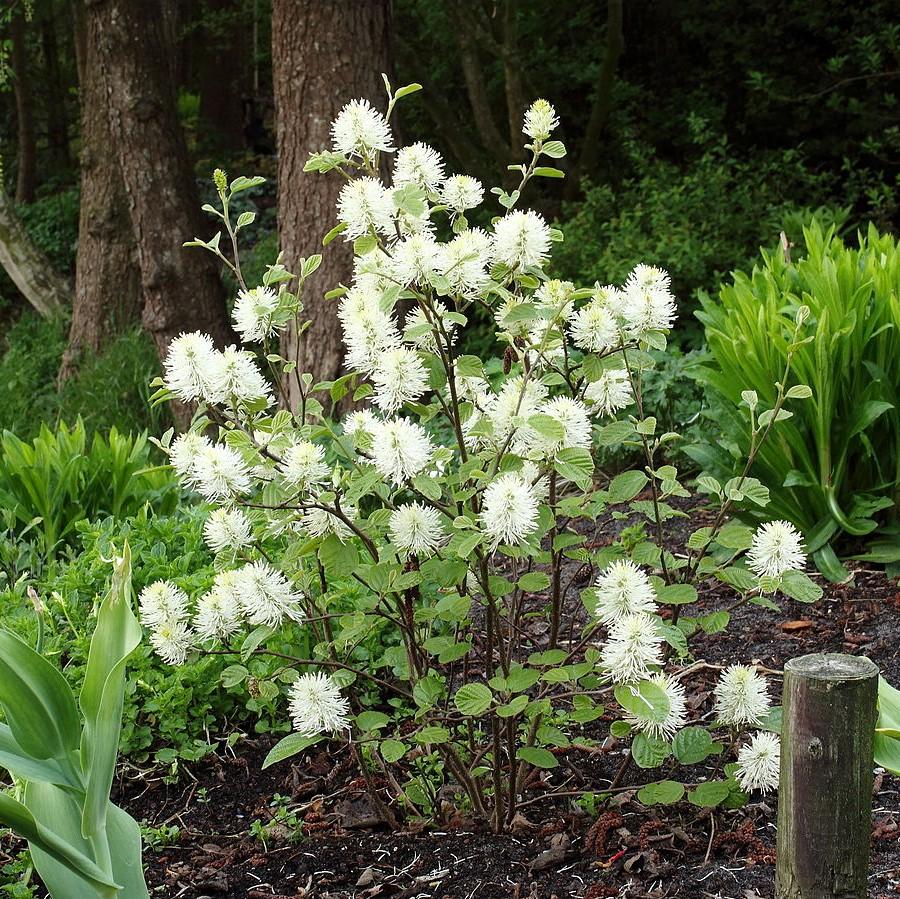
(741, 697)
(759, 763)
(317, 706)
(777, 548)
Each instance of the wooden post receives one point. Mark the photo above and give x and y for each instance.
(825, 795)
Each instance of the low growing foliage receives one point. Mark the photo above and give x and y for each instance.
(833, 469)
(415, 550)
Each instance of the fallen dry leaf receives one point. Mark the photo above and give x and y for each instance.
(798, 625)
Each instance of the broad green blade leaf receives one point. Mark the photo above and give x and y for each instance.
(49, 845)
(116, 636)
(37, 701)
(124, 837)
(288, 746)
(22, 765)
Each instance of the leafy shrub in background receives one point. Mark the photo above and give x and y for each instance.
(52, 223)
(109, 390)
(700, 220)
(835, 464)
(60, 478)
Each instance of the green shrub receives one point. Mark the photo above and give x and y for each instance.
(52, 223)
(836, 463)
(699, 220)
(110, 390)
(61, 479)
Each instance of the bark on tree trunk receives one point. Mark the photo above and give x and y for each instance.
(27, 150)
(27, 266)
(107, 278)
(180, 288)
(324, 53)
(825, 795)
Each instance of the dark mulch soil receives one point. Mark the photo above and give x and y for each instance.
(557, 848)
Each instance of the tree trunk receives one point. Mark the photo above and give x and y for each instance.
(107, 277)
(57, 121)
(27, 150)
(825, 795)
(181, 290)
(324, 53)
(29, 269)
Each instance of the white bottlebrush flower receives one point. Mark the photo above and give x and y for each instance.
(416, 528)
(218, 612)
(510, 410)
(303, 465)
(509, 511)
(236, 377)
(254, 314)
(521, 239)
(365, 206)
(400, 449)
(611, 392)
(623, 589)
(634, 646)
(573, 416)
(361, 130)
(741, 697)
(183, 454)
(462, 192)
(190, 366)
(171, 640)
(164, 612)
(648, 303)
(317, 706)
(227, 529)
(675, 718)
(777, 547)
(420, 165)
(219, 472)
(465, 260)
(162, 601)
(369, 332)
(593, 328)
(540, 120)
(266, 596)
(400, 377)
(759, 763)
(436, 318)
(553, 298)
(531, 474)
(321, 522)
(415, 259)
(359, 424)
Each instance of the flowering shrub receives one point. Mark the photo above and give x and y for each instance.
(427, 540)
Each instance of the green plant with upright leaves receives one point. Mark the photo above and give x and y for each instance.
(834, 464)
(60, 479)
(63, 757)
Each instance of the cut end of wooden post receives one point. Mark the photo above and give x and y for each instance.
(832, 666)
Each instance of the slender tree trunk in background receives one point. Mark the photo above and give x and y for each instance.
(223, 74)
(181, 290)
(27, 150)
(29, 269)
(57, 121)
(589, 157)
(107, 277)
(324, 53)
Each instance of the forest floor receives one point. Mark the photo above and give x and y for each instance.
(558, 848)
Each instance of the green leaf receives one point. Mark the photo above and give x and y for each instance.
(533, 582)
(547, 426)
(368, 720)
(433, 735)
(626, 486)
(514, 707)
(709, 794)
(468, 367)
(252, 641)
(546, 171)
(116, 636)
(289, 746)
(799, 586)
(576, 464)
(649, 752)
(555, 149)
(336, 556)
(694, 744)
(535, 755)
(647, 700)
(473, 699)
(664, 792)
(392, 750)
